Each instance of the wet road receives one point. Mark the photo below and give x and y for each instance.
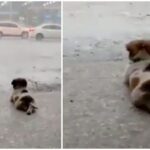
(97, 108)
(39, 63)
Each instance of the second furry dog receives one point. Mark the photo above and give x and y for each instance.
(21, 98)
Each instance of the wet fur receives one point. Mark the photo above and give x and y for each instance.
(137, 76)
(138, 50)
(21, 98)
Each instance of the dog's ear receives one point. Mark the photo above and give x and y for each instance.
(19, 82)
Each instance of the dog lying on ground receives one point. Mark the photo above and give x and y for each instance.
(21, 98)
(137, 77)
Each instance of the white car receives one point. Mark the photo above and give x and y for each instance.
(8, 28)
(46, 31)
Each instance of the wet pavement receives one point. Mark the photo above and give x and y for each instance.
(97, 108)
(39, 63)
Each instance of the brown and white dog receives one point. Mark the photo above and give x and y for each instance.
(21, 98)
(138, 73)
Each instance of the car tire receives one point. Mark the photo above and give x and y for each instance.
(39, 36)
(25, 35)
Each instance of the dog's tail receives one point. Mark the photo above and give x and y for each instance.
(145, 87)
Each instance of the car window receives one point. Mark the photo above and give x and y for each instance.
(53, 27)
(12, 25)
(3, 24)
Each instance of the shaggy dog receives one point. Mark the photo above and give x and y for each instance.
(138, 73)
(21, 98)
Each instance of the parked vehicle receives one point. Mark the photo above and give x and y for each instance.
(8, 28)
(45, 31)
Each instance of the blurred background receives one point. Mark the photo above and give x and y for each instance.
(40, 20)
(31, 13)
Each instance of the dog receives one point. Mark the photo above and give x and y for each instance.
(138, 50)
(21, 98)
(137, 76)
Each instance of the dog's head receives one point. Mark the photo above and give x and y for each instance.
(138, 50)
(19, 83)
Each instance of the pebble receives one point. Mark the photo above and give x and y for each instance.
(71, 101)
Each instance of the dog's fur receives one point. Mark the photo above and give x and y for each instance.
(138, 50)
(137, 77)
(21, 98)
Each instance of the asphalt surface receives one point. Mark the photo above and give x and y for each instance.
(97, 109)
(39, 63)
